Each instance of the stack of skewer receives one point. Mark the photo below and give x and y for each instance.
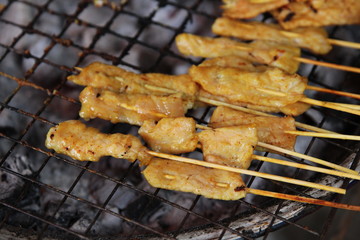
(247, 83)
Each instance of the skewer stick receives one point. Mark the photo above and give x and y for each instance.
(325, 135)
(306, 167)
(344, 43)
(341, 93)
(328, 65)
(315, 102)
(347, 105)
(255, 112)
(248, 172)
(341, 171)
(299, 155)
(302, 199)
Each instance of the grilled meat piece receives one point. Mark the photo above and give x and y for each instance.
(232, 146)
(75, 139)
(130, 108)
(247, 9)
(311, 38)
(241, 86)
(208, 182)
(170, 135)
(100, 75)
(233, 61)
(269, 129)
(316, 14)
(263, 52)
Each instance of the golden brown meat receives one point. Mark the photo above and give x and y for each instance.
(243, 86)
(329, 12)
(129, 108)
(294, 109)
(248, 8)
(232, 61)
(311, 38)
(232, 146)
(170, 135)
(269, 129)
(208, 182)
(75, 139)
(263, 52)
(100, 75)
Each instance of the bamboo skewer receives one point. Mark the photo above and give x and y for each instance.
(299, 155)
(302, 199)
(325, 135)
(331, 105)
(247, 172)
(341, 93)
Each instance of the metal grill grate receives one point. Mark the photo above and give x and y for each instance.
(40, 44)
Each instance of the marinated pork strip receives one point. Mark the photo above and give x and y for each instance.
(330, 12)
(311, 38)
(231, 146)
(270, 130)
(294, 109)
(248, 9)
(263, 52)
(100, 75)
(241, 86)
(233, 61)
(130, 108)
(170, 135)
(208, 182)
(75, 139)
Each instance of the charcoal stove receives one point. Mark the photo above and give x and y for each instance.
(44, 195)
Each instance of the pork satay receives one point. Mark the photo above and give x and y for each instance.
(232, 146)
(294, 109)
(170, 135)
(311, 38)
(263, 52)
(233, 61)
(100, 75)
(185, 177)
(130, 108)
(238, 85)
(249, 9)
(75, 139)
(330, 12)
(270, 130)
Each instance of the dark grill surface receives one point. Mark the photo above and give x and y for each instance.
(46, 195)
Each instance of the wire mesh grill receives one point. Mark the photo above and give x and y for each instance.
(40, 49)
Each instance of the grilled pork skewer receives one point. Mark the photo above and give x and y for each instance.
(314, 39)
(93, 76)
(263, 52)
(66, 139)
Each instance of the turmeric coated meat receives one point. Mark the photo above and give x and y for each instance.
(262, 52)
(232, 146)
(208, 182)
(269, 129)
(75, 139)
(318, 13)
(170, 135)
(129, 108)
(311, 38)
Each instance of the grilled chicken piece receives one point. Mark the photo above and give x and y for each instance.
(248, 9)
(130, 108)
(75, 139)
(269, 129)
(232, 146)
(243, 86)
(170, 135)
(208, 182)
(311, 38)
(316, 14)
(100, 75)
(263, 52)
